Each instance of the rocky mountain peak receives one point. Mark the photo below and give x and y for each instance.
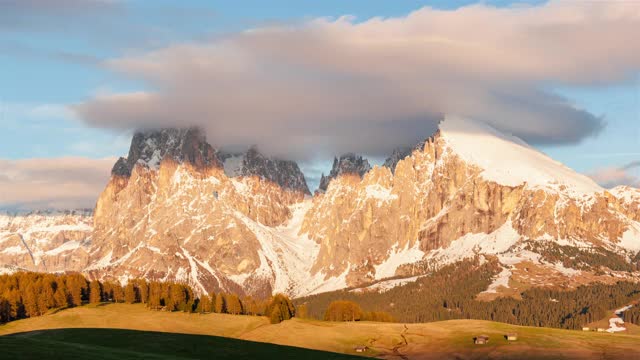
(401, 153)
(149, 147)
(285, 173)
(347, 164)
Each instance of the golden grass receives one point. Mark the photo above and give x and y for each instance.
(439, 340)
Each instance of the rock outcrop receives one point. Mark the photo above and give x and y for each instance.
(45, 240)
(285, 173)
(347, 164)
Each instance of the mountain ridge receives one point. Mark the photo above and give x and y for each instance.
(223, 228)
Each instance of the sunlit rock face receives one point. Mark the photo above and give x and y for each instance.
(466, 190)
(178, 209)
(183, 218)
(45, 240)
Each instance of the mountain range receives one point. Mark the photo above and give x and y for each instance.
(176, 208)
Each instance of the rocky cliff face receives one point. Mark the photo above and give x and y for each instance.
(285, 173)
(150, 147)
(243, 222)
(45, 240)
(347, 164)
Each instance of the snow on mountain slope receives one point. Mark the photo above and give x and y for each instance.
(245, 223)
(45, 240)
(509, 161)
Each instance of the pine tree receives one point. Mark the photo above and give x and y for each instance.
(118, 293)
(5, 310)
(155, 296)
(221, 306)
(30, 301)
(204, 305)
(95, 292)
(234, 306)
(130, 293)
(143, 288)
(61, 297)
(76, 285)
(178, 298)
(286, 309)
(276, 316)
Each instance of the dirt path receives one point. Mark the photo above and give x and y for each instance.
(396, 349)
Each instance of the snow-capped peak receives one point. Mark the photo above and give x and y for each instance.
(508, 160)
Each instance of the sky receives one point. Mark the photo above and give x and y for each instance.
(308, 80)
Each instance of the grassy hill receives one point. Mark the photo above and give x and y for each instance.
(98, 344)
(441, 340)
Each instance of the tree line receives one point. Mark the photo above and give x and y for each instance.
(28, 294)
(632, 315)
(450, 293)
(343, 310)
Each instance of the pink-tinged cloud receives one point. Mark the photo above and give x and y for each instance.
(56, 183)
(341, 85)
(611, 177)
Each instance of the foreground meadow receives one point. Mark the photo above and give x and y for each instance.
(173, 335)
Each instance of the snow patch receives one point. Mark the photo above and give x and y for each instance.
(614, 325)
(14, 250)
(510, 161)
(68, 246)
(381, 193)
(631, 238)
(397, 257)
(501, 280)
(471, 244)
(386, 285)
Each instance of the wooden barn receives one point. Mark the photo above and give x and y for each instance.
(360, 349)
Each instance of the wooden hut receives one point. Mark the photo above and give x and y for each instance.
(360, 349)
(481, 339)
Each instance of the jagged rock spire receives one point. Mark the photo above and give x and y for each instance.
(347, 164)
(150, 147)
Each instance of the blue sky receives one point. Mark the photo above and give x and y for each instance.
(53, 55)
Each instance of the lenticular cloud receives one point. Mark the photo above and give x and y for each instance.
(342, 85)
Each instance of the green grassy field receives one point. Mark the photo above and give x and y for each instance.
(254, 336)
(133, 344)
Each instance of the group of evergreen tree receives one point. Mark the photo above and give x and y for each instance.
(280, 308)
(584, 258)
(632, 315)
(451, 293)
(32, 294)
(27, 294)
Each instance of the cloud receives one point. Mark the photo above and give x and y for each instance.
(331, 86)
(611, 177)
(60, 183)
(43, 14)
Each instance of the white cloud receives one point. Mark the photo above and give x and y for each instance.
(60, 183)
(341, 85)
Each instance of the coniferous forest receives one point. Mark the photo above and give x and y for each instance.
(450, 293)
(28, 294)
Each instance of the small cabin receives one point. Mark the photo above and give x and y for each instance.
(511, 337)
(481, 340)
(360, 349)
(586, 329)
